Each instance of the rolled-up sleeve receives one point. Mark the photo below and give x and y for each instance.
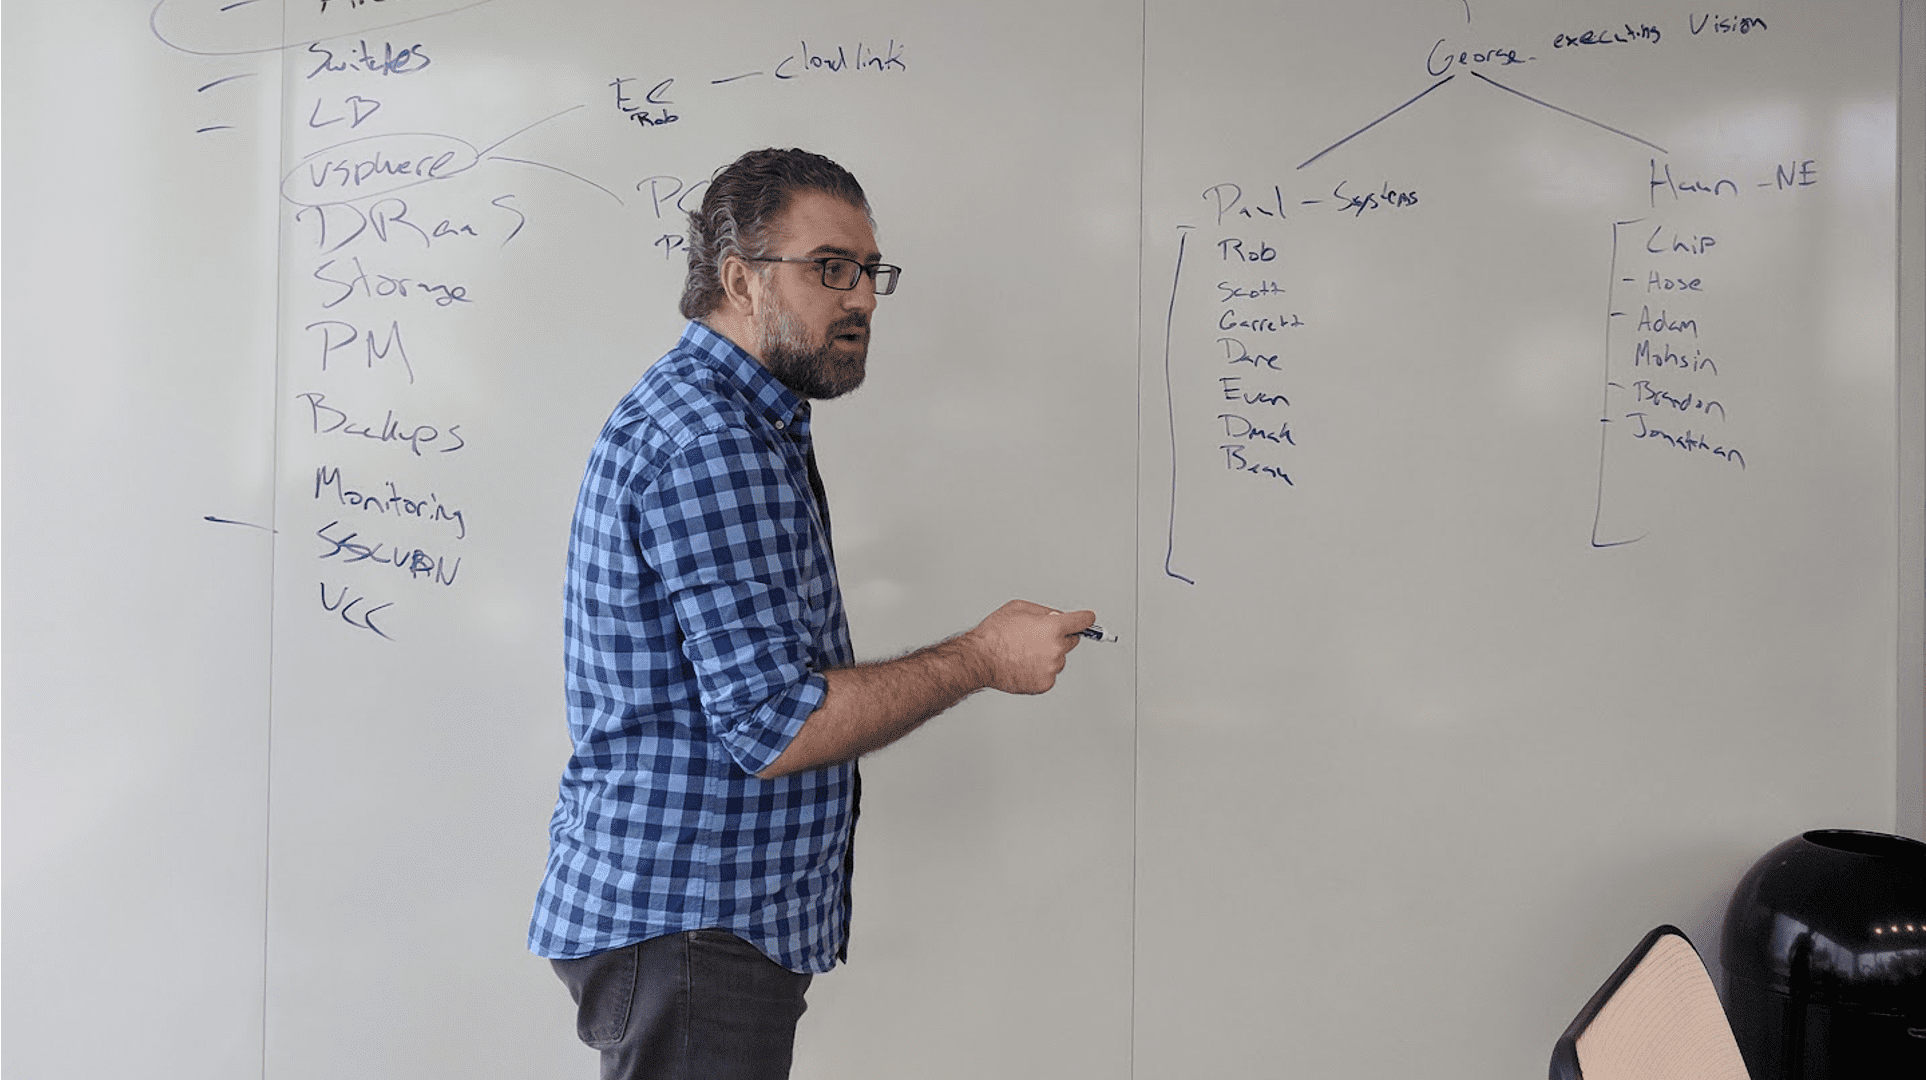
(729, 533)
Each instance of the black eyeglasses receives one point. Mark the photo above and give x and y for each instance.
(843, 274)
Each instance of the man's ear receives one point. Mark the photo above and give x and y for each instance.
(741, 286)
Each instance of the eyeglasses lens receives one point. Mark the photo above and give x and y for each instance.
(841, 273)
(845, 274)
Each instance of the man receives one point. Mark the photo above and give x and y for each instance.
(698, 873)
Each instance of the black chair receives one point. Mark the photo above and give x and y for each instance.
(1657, 1018)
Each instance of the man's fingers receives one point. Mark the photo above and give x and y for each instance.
(1029, 643)
(1072, 625)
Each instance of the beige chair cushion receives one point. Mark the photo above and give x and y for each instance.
(1664, 1023)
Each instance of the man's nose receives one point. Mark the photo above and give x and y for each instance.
(863, 297)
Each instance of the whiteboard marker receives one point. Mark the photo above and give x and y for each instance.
(1095, 633)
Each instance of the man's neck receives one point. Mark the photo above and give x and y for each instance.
(740, 332)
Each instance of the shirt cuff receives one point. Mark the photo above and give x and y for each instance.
(761, 737)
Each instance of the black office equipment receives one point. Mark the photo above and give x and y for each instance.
(1824, 953)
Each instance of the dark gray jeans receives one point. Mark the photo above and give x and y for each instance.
(700, 1005)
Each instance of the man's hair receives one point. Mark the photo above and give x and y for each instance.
(744, 201)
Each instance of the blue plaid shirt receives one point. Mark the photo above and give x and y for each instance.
(701, 608)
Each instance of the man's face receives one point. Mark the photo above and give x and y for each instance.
(814, 339)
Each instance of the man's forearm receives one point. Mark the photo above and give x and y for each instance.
(869, 706)
(1018, 649)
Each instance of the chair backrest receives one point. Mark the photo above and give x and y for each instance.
(1657, 1018)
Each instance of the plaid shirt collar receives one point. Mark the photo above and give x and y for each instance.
(780, 406)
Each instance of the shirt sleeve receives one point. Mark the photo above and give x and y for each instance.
(732, 538)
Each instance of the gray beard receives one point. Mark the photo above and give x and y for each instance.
(814, 372)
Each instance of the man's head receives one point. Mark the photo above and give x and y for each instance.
(753, 277)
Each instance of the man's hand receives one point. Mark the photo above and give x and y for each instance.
(1023, 645)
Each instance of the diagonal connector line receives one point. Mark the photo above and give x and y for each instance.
(1378, 121)
(1573, 115)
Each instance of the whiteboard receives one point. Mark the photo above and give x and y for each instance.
(1442, 678)
(562, 236)
(1521, 557)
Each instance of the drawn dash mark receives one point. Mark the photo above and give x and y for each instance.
(733, 78)
(213, 127)
(229, 79)
(230, 521)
